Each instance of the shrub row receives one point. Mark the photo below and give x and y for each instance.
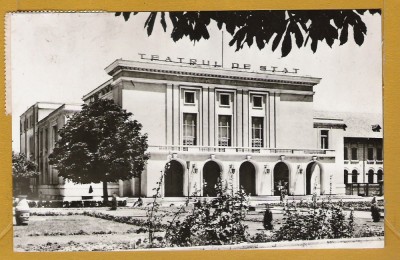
(346, 205)
(122, 219)
(77, 233)
(71, 204)
(51, 213)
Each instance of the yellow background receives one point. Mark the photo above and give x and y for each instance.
(391, 63)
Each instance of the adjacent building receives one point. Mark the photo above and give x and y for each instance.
(252, 130)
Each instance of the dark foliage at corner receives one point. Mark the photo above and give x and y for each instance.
(263, 28)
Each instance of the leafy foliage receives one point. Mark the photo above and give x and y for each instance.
(100, 144)
(22, 170)
(376, 216)
(277, 27)
(216, 222)
(324, 221)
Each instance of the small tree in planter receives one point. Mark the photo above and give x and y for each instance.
(267, 221)
(376, 215)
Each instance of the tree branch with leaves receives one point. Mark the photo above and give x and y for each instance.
(275, 27)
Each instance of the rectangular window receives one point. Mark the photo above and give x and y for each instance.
(257, 101)
(370, 153)
(55, 133)
(189, 97)
(224, 130)
(224, 99)
(379, 156)
(257, 132)
(46, 140)
(31, 148)
(346, 153)
(354, 154)
(40, 142)
(324, 139)
(189, 129)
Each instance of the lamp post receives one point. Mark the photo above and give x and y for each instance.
(188, 177)
(232, 172)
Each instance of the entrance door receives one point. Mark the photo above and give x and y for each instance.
(313, 178)
(211, 174)
(247, 178)
(281, 178)
(173, 184)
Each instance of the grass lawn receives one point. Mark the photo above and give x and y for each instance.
(84, 233)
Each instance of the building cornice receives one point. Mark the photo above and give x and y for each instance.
(215, 73)
(214, 86)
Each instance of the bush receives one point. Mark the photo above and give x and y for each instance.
(376, 216)
(321, 221)
(260, 238)
(216, 222)
(367, 231)
(267, 221)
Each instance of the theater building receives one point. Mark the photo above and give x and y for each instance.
(252, 130)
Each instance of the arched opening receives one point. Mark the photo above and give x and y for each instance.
(346, 176)
(380, 175)
(247, 178)
(371, 176)
(354, 176)
(211, 174)
(173, 184)
(281, 178)
(313, 178)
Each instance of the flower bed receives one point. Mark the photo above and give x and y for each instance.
(122, 219)
(71, 204)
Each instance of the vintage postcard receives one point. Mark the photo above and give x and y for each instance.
(199, 130)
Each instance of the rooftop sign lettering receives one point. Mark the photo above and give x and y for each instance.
(215, 64)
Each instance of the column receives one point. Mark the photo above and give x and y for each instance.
(211, 115)
(205, 116)
(239, 118)
(245, 122)
(175, 115)
(169, 122)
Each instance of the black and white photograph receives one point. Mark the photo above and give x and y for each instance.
(197, 130)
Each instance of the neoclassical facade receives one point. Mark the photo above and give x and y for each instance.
(252, 130)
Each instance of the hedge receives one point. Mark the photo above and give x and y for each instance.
(71, 204)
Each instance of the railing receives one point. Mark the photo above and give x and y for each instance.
(364, 189)
(228, 149)
(189, 140)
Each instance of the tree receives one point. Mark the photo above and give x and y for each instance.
(260, 27)
(23, 170)
(101, 143)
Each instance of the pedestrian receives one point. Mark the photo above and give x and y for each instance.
(138, 203)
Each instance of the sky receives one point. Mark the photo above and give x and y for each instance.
(59, 57)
